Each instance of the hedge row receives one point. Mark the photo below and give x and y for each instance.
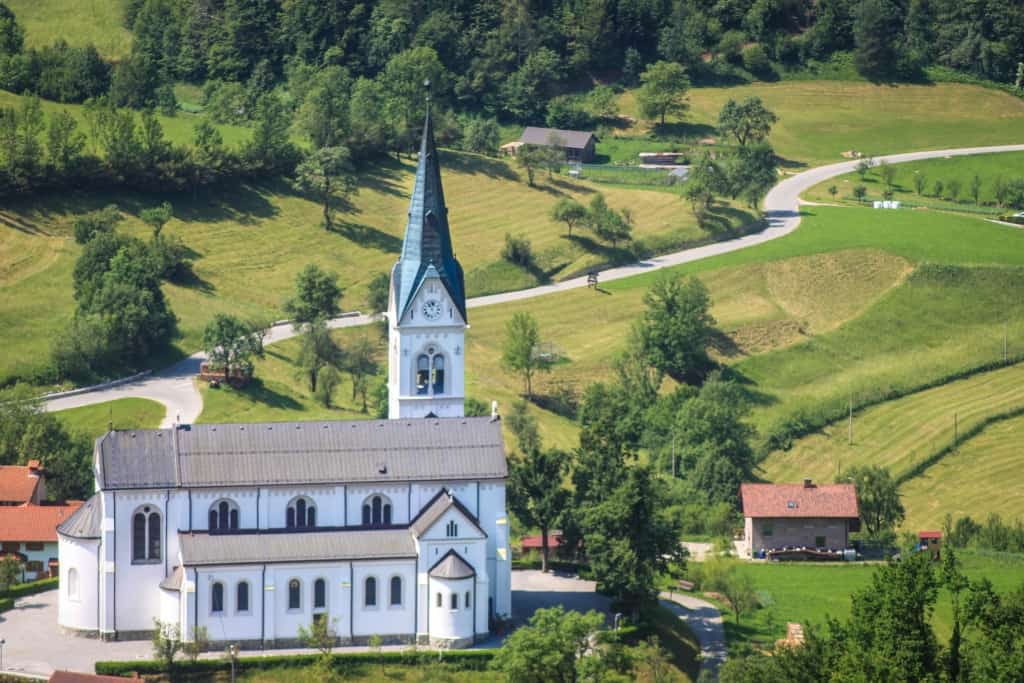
(461, 660)
(6, 604)
(20, 590)
(782, 436)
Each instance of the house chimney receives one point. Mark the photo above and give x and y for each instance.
(808, 484)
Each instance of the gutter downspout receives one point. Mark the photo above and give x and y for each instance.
(114, 596)
(415, 599)
(474, 606)
(259, 490)
(351, 603)
(263, 605)
(190, 509)
(167, 537)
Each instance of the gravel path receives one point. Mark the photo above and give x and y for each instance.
(174, 388)
(705, 621)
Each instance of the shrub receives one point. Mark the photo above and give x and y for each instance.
(20, 590)
(517, 250)
(756, 61)
(94, 222)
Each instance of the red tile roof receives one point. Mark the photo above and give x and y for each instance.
(17, 483)
(798, 500)
(929, 534)
(36, 523)
(537, 542)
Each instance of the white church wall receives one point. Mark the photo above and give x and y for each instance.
(135, 592)
(230, 623)
(447, 623)
(464, 491)
(78, 599)
(204, 499)
(395, 494)
(329, 501)
(170, 612)
(383, 618)
(285, 621)
(494, 519)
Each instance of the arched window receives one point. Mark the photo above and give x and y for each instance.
(452, 529)
(73, 583)
(438, 374)
(319, 594)
(396, 590)
(242, 596)
(294, 594)
(466, 600)
(455, 601)
(439, 601)
(301, 514)
(217, 598)
(430, 372)
(423, 374)
(146, 535)
(376, 511)
(223, 515)
(370, 594)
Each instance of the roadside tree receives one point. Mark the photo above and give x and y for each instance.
(521, 351)
(317, 295)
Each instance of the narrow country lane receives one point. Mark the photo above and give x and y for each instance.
(173, 387)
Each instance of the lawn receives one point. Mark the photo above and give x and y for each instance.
(819, 120)
(79, 22)
(982, 477)
(987, 167)
(178, 129)
(808, 593)
(123, 413)
(251, 240)
(901, 433)
(375, 674)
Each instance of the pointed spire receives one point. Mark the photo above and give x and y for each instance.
(427, 245)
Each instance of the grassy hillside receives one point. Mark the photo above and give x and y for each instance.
(901, 433)
(251, 240)
(819, 120)
(982, 477)
(79, 22)
(178, 129)
(124, 413)
(988, 168)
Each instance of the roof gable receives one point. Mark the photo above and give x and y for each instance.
(18, 483)
(437, 510)
(35, 523)
(799, 500)
(451, 566)
(86, 522)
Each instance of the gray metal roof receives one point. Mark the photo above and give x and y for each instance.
(452, 566)
(573, 139)
(173, 582)
(259, 547)
(433, 510)
(86, 522)
(434, 449)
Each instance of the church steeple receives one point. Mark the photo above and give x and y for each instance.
(428, 242)
(427, 307)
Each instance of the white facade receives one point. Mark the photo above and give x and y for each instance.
(253, 531)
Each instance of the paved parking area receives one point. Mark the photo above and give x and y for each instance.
(36, 645)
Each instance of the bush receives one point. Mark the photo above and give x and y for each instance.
(568, 111)
(459, 660)
(517, 250)
(94, 222)
(756, 61)
(20, 590)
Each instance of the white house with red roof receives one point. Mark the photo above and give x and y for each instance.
(806, 516)
(20, 484)
(29, 533)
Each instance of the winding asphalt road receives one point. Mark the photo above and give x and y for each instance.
(174, 388)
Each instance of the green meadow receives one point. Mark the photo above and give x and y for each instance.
(78, 22)
(122, 413)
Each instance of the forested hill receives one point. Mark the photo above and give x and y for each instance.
(510, 57)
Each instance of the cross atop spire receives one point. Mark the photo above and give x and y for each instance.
(428, 245)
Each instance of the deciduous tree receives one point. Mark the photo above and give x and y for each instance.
(676, 328)
(663, 91)
(536, 495)
(568, 211)
(521, 352)
(328, 174)
(747, 121)
(317, 295)
(878, 498)
(549, 647)
(232, 344)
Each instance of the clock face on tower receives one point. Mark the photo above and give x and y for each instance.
(432, 309)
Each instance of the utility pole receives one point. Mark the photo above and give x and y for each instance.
(956, 430)
(851, 421)
(1006, 334)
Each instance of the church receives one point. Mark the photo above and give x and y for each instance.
(395, 528)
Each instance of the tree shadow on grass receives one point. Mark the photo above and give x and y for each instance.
(368, 236)
(724, 220)
(385, 176)
(570, 186)
(611, 254)
(258, 392)
(475, 163)
(749, 387)
(683, 129)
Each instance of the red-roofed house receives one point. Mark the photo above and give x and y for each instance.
(799, 515)
(20, 484)
(29, 532)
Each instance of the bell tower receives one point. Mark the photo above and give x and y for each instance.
(427, 304)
